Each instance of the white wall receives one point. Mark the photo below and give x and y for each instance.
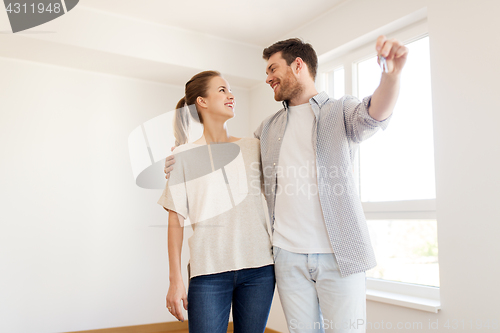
(465, 49)
(77, 249)
(467, 154)
(262, 103)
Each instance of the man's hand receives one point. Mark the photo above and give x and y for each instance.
(385, 96)
(169, 162)
(394, 53)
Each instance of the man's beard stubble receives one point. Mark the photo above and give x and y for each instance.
(289, 88)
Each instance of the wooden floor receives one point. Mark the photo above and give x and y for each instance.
(168, 327)
(230, 330)
(185, 330)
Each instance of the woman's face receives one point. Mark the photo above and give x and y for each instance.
(219, 102)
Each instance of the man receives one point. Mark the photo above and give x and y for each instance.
(321, 243)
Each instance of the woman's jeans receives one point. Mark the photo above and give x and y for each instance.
(249, 290)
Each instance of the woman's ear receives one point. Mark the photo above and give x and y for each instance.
(201, 102)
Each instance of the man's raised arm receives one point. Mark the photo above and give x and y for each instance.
(385, 96)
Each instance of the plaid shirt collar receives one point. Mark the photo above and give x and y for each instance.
(319, 100)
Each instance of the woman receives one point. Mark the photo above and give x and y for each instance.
(217, 184)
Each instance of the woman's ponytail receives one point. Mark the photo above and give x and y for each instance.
(181, 123)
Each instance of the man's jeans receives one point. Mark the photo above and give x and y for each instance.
(315, 298)
(250, 291)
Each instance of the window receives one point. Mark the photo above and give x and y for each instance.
(395, 168)
(335, 83)
(397, 165)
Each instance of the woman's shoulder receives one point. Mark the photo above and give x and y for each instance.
(250, 147)
(249, 143)
(183, 147)
(249, 140)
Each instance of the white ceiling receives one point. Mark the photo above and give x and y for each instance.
(257, 22)
(163, 40)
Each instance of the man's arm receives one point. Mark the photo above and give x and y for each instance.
(385, 96)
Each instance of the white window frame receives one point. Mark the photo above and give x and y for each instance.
(348, 56)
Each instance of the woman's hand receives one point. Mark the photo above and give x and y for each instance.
(176, 294)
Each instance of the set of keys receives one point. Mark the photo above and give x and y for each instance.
(383, 64)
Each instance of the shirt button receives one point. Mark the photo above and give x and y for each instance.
(279, 139)
(274, 163)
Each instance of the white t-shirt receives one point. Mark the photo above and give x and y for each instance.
(217, 189)
(299, 225)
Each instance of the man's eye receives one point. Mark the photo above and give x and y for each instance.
(221, 90)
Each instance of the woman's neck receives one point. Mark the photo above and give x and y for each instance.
(215, 132)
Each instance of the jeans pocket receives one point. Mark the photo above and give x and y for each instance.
(276, 251)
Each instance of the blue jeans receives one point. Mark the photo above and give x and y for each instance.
(249, 290)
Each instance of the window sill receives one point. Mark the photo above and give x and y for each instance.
(407, 295)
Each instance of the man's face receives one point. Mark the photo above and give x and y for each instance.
(281, 78)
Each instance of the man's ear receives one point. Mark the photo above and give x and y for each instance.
(298, 65)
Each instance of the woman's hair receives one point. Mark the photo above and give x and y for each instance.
(196, 87)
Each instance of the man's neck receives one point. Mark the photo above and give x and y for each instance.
(304, 97)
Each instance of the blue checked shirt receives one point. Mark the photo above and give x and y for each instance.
(339, 126)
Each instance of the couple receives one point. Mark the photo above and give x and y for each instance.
(320, 243)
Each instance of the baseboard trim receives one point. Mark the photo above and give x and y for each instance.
(170, 326)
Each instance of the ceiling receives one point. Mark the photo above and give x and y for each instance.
(257, 22)
(162, 40)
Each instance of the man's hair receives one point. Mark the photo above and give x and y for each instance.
(291, 49)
